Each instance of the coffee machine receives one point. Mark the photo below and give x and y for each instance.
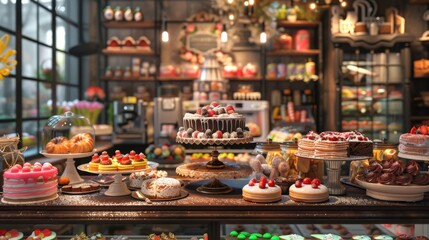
(129, 122)
(168, 117)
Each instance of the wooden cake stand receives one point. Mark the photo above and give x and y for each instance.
(333, 169)
(214, 169)
(118, 187)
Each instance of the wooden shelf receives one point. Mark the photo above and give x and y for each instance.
(130, 79)
(298, 24)
(286, 52)
(128, 52)
(132, 24)
(419, 117)
(166, 79)
(244, 78)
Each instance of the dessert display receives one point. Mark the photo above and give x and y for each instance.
(80, 143)
(128, 43)
(262, 191)
(12, 234)
(243, 235)
(326, 237)
(161, 188)
(165, 153)
(30, 183)
(119, 162)
(162, 236)
(80, 188)
(94, 236)
(44, 234)
(308, 190)
(416, 142)
(136, 179)
(213, 123)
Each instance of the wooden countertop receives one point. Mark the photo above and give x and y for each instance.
(355, 207)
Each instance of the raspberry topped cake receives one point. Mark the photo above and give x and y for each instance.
(308, 190)
(44, 234)
(331, 145)
(213, 122)
(359, 145)
(306, 144)
(263, 191)
(416, 142)
(12, 234)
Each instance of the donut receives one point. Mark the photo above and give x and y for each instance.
(58, 145)
(81, 143)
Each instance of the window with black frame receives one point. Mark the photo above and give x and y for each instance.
(42, 32)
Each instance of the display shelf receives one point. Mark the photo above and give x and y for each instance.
(297, 24)
(132, 24)
(176, 78)
(372, 41)
(128, 52)
(348, 84)
(419, 117)
(119, 79)
(244, 78)
(286, 52)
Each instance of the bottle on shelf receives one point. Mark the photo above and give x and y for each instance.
(108, 13)
(119, 14)
(310, 67)
(138, 14)
(128, 14)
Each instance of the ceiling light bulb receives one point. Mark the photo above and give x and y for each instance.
(251, 2)
(343, 4)
(231, 17)
(224, 37)
(313, 6)
(164, 36)
(246, 3)
(263, 37)
(230, 1)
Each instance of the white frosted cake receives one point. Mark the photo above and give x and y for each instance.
(136, 179)
(161, 188)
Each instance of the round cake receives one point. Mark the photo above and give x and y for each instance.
(308, 190)
(136, 179)
(12, 234)
(331, 145)
(262, 192)
(30, 182)
(416, 142)
(213, 122)
(161, 188)
(44, 234)
(306, 144)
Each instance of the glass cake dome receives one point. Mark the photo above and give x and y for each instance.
(68, 133)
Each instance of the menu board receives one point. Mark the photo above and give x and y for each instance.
(202, 42)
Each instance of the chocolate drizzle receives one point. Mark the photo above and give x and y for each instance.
(396, 168)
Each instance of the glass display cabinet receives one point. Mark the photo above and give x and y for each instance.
(373, 81)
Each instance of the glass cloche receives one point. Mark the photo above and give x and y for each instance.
(68, 133)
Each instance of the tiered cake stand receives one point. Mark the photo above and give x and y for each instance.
(118, 187)
(333, 169)
(70, 171)
(214, 169)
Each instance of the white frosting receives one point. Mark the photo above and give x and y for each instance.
(307, 193)
(161, 188)
(257, 194)
(136, 179)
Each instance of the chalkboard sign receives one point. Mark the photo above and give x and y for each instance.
(202, 42)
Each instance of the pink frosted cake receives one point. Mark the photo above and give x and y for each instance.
(30, 183)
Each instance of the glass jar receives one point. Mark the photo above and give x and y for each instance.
(68, 133)
(269, 150)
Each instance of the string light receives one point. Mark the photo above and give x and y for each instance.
(231, 17)
(263, 34)
(343, 4)
(230, 1)
(313, 6)
(164, 35)
(224, 34)
(251, 2)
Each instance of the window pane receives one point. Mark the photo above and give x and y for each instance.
(29, 59)
(29, 137)
(7, 13)
(45, 23)
(45, 63)
(68, 8)
(7, 99)
(45, 95)
(29, 20)
(6, 128)
(11, 45)
(29, 100)
(65, 93)
(67, 68)
(46, 3)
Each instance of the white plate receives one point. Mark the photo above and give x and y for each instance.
(68, 155)
(23, 202)
(410, 193)
(352, 158)
(413, 157)
(85, 168)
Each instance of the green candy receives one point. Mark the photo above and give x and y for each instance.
(275, 238)
(247, 234)
(253, 237)
(257, 234)
(241, 236)
(233, 234)
(266, 235)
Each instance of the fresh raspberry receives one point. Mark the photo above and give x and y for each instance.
(316, 181)
(307, 180)
(298, 184)
(271, 183)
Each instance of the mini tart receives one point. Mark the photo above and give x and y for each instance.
(93, 166)
(107, 168)
(125, 167)
(12, 234)
(140, 164)
(43, 235)
(326, 237)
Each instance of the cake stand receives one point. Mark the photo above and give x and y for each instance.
(118, 187)
(214, 169)
(333, 169)
(70, 171)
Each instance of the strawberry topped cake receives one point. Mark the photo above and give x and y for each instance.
(30, 183)
(308, 190)
(12, 234)
(307, 143)
(44, 234)
(416, 142)
(264, 191)
(213, 122)
(331, 145)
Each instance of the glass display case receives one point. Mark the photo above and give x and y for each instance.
(372, 77)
